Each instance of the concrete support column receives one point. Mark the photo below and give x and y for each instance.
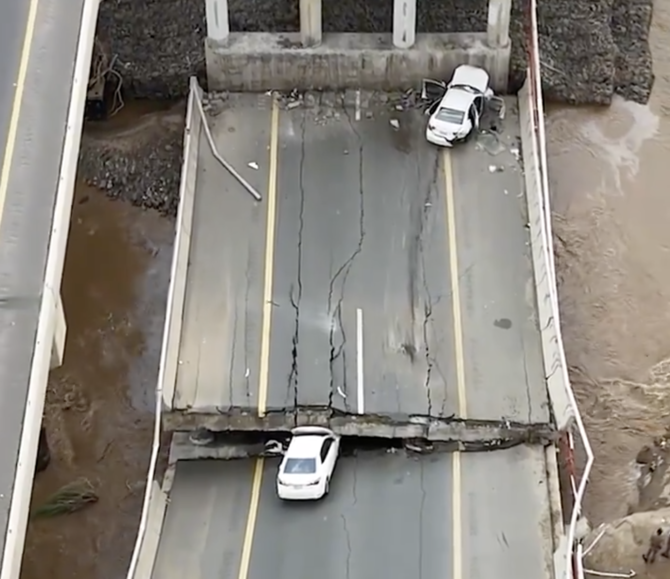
(218, 25)
(497, 31)
(310, 22)
(404, 23)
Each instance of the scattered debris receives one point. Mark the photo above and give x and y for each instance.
(68, 499)
(213, 103)
(341, 392)
(274, 448)
(201, 437)
(290, 100)
(418, 445)
(489, 141)
(395, 123)
(253, 165)
(496, 169)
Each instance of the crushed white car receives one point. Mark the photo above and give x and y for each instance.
(308, 464)
(457, 107)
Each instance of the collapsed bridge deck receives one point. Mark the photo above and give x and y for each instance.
(380, 279)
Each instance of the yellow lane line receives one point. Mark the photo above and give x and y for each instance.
(455, 286)
(245, 560)
(269, 263)
(16, 105)
(264, 367)
(457, 491)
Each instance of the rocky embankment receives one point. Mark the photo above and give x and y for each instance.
(589, 50)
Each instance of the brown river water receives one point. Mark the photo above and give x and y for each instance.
(610, 178)
(100, 403)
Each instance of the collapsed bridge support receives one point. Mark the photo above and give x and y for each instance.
(308, 59)
(404, 23)
(497, 35)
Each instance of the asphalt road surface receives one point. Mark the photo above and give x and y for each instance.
(380, 275)
(32, 129)
(387, 516)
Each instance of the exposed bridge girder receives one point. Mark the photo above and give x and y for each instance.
(470, 434)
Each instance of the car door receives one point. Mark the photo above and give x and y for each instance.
(479, 105)
(432, 90)
(326, 454)
(474, 115)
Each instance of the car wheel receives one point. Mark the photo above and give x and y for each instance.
(327, 489)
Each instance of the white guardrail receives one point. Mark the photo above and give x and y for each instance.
(567, 559)
(175, 302)
(25, 467)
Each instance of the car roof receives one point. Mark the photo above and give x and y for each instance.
(304, 446)
(471, 76)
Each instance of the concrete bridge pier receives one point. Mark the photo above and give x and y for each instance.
(404, 23)
(497, 36)
(311, 25)
(308, 59)
(218, 24)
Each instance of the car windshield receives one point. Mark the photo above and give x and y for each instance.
(300, 466)
(465, 87)
(451, 116)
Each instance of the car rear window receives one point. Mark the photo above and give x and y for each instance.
(300, 466)
(451, 116)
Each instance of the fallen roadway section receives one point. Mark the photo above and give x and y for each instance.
(388, 514)
(46, 57)
(383, 287)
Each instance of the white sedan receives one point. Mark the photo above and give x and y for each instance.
(455, 114)
(308, 464)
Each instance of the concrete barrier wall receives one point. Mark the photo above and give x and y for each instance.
(182, 244)
(49, 317)
(552, 347)
(554, 362)
(156, 492)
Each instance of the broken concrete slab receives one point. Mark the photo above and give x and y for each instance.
(468, 434)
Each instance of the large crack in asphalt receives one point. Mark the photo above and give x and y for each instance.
(295, 296)
(416, 257)
(428, 298)
(337, 348)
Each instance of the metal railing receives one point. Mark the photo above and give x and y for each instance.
(577, 483)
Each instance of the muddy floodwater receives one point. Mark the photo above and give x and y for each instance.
(609, 173)
(100, 403)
